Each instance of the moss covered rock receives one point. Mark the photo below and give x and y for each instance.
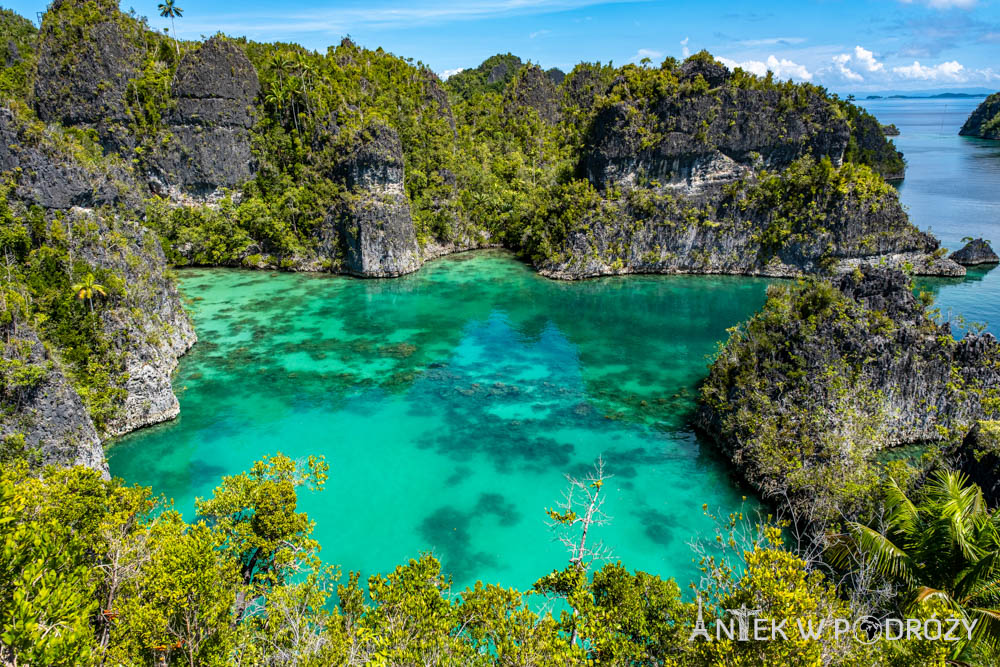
(985, 120)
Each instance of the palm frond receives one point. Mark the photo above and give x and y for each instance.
(888, 558)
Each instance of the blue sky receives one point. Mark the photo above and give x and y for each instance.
(846, 45)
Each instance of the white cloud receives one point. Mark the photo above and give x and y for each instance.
(652, 54)
(841, 66)
(450, 72)
(866, 59)
(861, 69)
(685, 51)
(782, 68)
(538, 33)
(856, 67)
(945, 4)
(949, 71)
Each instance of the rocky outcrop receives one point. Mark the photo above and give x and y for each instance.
(556, 75)
(215, 87)
(534, 89)
(503, 70)
(708, 68)
(978, 456)
(87, 53)
(47, 412)
(745, 231)
(372, 229)
(976, 251)
(727, 132)
(985, 120)
(890, 130)
(829, 373)
(139, 332)
(149, 329)
(869, 145)
(45, 175)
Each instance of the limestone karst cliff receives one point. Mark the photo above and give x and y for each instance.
(208, 145)
(828, 373)
(372, 227)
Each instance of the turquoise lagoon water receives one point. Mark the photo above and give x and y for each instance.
(952, 188)
(451, 403)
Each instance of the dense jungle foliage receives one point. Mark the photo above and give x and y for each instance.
(96, 572)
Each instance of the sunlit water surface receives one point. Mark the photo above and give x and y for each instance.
(451, 403)
(952, 188)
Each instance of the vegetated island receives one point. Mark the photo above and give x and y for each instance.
(985, 120)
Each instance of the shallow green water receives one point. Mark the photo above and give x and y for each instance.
(450, 404)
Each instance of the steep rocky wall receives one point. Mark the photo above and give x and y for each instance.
(31, 157)
(371, 228)
(732, 130)
(87, 53)
(49, 415)
(90, 201)
(985, 120)
(150, 329)
(738, 232)
(215, 87)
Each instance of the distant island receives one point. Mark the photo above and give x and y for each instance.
(939, 96)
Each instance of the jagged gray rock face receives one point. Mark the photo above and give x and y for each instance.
(923, 377)
(978, 456)
(84, 67)
(146, 329)
(150, 332)
(975, 252)
(720, 234)
(373, 229)
(985, 120)
(215, 87)
(536, 90)
(745, 129)
(50, 416)
(713, 72)
(45, 177)
(804, 395)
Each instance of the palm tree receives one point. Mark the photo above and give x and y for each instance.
(944, 547)
(169, 10)
(293, 90)
(276, 95)
(87, 288)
